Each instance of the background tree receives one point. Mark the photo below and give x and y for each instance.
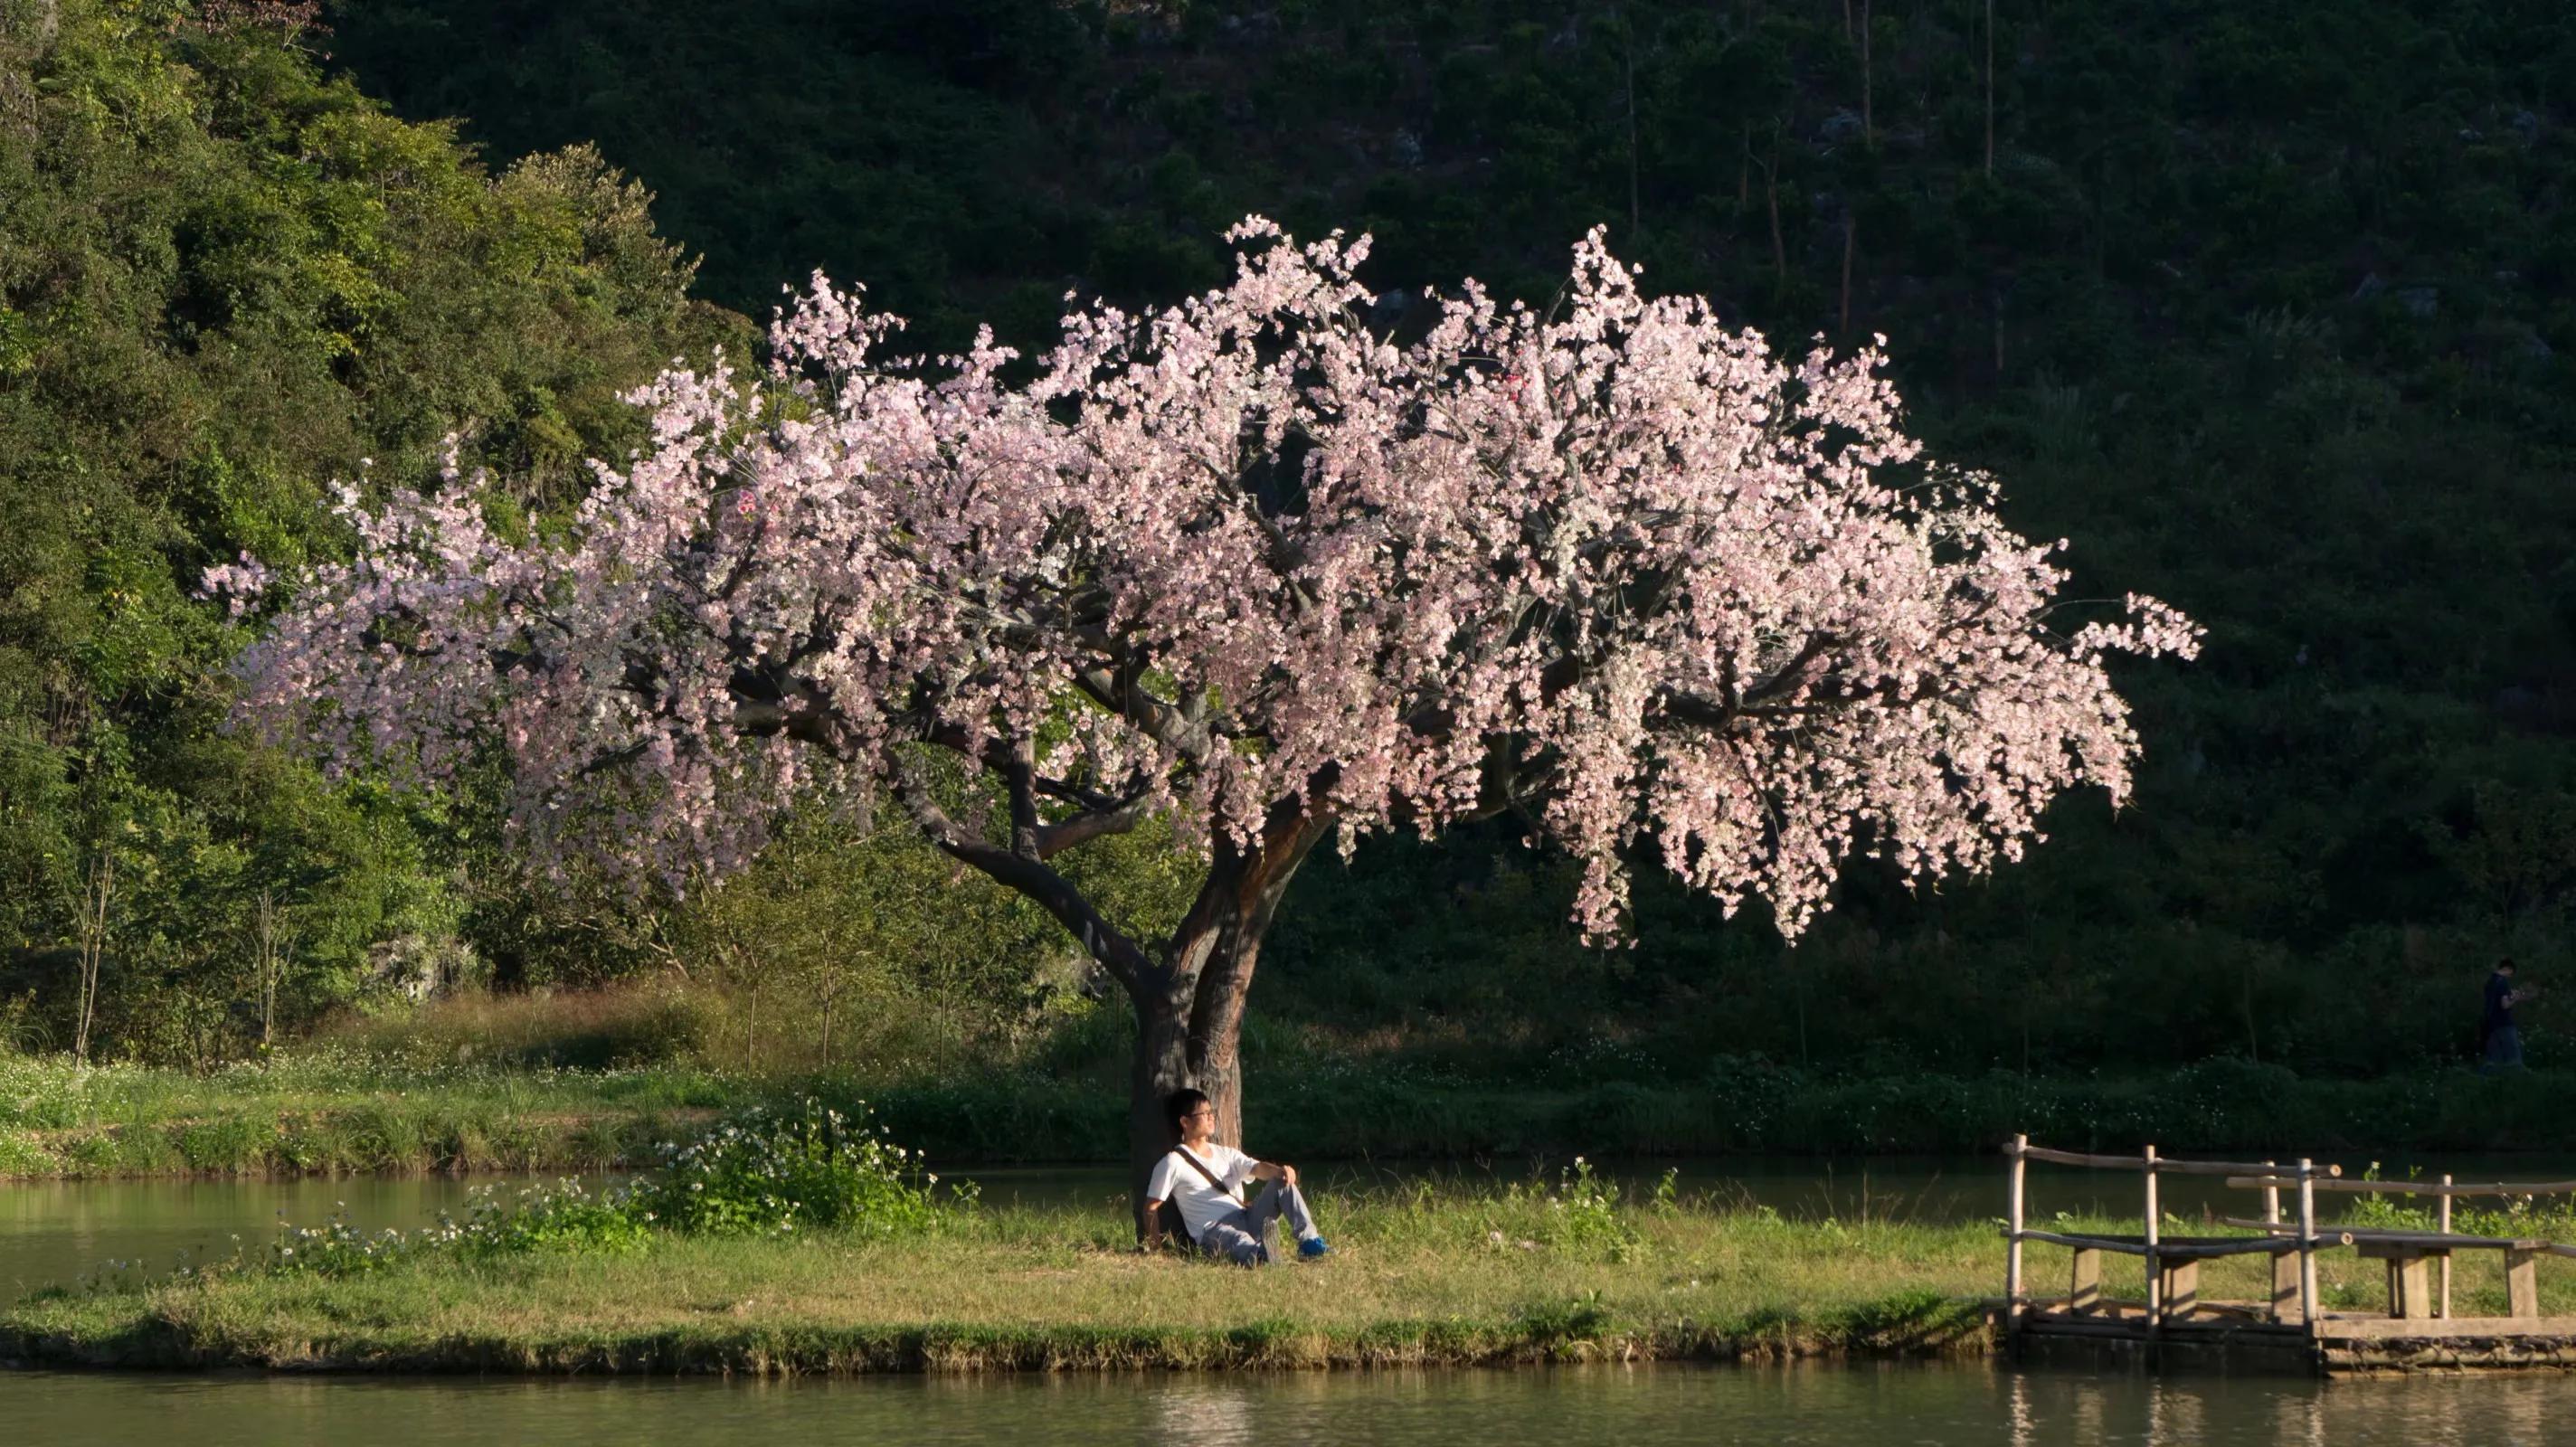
(225, 277)
(1246, 565)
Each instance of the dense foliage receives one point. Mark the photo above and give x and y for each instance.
(2268, 310)
(224, 280)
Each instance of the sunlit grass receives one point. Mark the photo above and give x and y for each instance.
(1565, 1271)
(334, 1112)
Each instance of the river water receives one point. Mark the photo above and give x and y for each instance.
(61, 1231)
(1947, 1406)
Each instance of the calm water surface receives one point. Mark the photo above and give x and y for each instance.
(1642, 1407)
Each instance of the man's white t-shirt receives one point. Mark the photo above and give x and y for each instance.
(1202, 1205)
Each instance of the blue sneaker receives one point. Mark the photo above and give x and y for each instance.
(1312, 1247)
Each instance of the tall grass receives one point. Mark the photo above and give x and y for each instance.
(329, 1112)
(647, 1024)
(578, 1079)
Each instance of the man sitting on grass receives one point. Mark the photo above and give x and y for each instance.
(1206, 1181)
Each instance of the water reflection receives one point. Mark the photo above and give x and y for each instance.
(2302, 1420)
(1645, 1406)
(1216, 1412)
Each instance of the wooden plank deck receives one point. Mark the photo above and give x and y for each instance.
(2386, 1328)
(2235, 1336)
(2176, 1326)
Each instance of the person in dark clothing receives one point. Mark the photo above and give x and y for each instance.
(2500, 1045)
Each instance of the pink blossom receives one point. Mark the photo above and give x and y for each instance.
(1616, 567)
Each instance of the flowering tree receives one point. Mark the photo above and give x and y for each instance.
(1248, 565)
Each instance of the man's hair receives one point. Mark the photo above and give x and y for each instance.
(1180, 1103)
(2505, 965)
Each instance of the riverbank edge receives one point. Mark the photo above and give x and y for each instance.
(2219, 1108)
(1906, 1327)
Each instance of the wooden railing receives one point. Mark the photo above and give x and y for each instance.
(2409, 1252)
(2173, 1266)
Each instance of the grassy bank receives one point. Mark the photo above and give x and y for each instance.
(339, 1112)
(804, 1240)
(1414, 1281)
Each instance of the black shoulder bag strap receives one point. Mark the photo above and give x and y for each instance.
(1213, 1178)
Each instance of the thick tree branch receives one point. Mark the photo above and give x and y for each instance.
(1231, 917)
(1064, 834)
(1030, 878)
(1164, 723)
(1020, 776)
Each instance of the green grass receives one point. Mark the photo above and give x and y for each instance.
(1417, 1278)
(327, 1110)
(335, 1113)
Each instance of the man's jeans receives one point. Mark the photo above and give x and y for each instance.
(2504, 1050)
(1242, 1235)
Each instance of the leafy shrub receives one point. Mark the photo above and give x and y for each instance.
(652, 1023)
(336, 1248)
(2520, 1216)
(761, 1173)
(1579, 1215)
(1583, 1215)
(560, 1217)
(766, 1172)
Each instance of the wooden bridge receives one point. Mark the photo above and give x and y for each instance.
(2177, 1323)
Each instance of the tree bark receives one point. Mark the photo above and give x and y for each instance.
(1189, 1009)
(1188, 997)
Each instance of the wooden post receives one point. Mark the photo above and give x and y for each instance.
(2084, 1282)
(2285, 1276)
(2285, 1288)
(2182, 1288)
(2442, 1222)
(2155, 1267)
(2521, 1282)
(2406, 1287)
(2308, 1303)
(2012, 1250)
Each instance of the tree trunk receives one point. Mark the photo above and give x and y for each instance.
(1162, 1065)
(1868, 125)
(1189, 1011)
(1990, 88)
